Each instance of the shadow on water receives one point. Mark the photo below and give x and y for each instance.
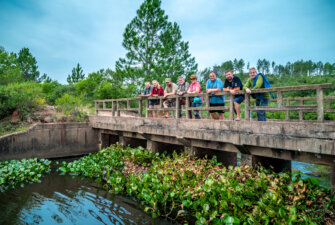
(66, 200)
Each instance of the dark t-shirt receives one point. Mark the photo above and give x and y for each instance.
(236, 82)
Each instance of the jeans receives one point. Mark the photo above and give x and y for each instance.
(261, 114)
(196, 112)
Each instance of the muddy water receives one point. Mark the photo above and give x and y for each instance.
(66, 200)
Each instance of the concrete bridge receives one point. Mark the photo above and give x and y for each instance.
(273, 143)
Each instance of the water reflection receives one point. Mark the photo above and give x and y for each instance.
(66, 200)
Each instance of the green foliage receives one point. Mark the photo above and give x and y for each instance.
(154, 46)
(9, 71)
(28, 65)
(7, 127)
(76, 75)
(21, 97)
(71, 105)
(15, 173)
(187, 189)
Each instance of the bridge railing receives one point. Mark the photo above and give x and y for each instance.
(135, 104)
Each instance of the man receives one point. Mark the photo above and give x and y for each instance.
(214, 85)
(232, 84)
(181, 90)
(257, 81)
(170, 89)
(146, 93)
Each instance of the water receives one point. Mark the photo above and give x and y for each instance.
(307, 173)
(66, 200)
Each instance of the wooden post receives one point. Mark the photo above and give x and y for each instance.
(247, 106)
(178, 109)
(103, 105)
(113, 108)
(118, 108)
(287, 114)
(187, 107)
(96, 107)
(231, 107)
(320, 106)
(279, 99)
(128, 104)
(301, 113)
(140, 107)
(147, 108)
(207, 105)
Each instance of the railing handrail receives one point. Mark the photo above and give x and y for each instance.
(319, 107)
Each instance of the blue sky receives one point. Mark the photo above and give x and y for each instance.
(61, 33)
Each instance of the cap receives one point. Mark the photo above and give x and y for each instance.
(167, 80)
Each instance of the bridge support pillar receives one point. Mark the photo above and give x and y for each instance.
(226, 158)
(153, 146)
(277, 164)
(103, 140)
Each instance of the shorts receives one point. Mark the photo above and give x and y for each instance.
(216, 105)
(239, 99)
(154, 102)
(170, 102)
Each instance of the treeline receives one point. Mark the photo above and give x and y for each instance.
(155, 50)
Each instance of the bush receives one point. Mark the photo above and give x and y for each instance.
(71, 105)
(21, 97)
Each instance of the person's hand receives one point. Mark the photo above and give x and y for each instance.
(180, 93)
(165, 95)
(209, 90)
(232, 92)
(248, 91)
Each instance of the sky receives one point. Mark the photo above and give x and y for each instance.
(62, 33)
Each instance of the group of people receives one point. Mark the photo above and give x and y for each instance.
(214, 85)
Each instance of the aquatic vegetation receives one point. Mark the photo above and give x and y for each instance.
(201, 191)
(15, 173)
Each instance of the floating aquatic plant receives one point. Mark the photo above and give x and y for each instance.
(201, 191)
(15, 173)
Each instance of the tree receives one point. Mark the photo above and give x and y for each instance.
(28, 65)
(76, 76)
(154, 47)
(9, 71)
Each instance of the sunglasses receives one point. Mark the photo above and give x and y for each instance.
(193, 78)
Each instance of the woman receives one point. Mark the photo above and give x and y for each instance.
(157, 90)
(195, 88)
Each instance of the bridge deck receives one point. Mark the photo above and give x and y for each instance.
(312, 142)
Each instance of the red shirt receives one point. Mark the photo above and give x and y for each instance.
(159, 92)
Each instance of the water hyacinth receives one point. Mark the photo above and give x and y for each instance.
(15, 173)
(201, 191)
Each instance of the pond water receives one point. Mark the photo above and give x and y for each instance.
(66, 200)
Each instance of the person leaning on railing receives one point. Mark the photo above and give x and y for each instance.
(147, 93)
(232, 84)
(157, 90)
(170, 89)
(181, 90)
(195, 87)
(213, 86)
(257, 81)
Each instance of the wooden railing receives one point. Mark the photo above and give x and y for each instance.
(115, 106)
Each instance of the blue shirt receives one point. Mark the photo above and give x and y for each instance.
(215, 84)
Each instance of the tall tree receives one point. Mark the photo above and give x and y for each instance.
(28, 65)
(76, 75)
(154, 47)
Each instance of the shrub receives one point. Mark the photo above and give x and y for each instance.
(21, 97)
(71, 105)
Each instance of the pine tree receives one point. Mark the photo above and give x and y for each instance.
(154, 45)
(28, 65)
(77, 75)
